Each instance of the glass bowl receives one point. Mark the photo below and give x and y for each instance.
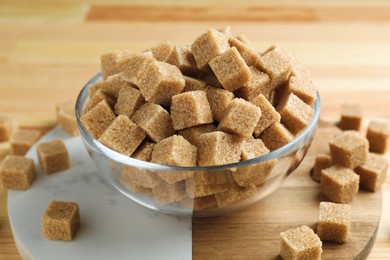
(207, 190)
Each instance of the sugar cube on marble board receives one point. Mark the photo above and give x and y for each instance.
(17, 172)
(53, 156)
(61, 221)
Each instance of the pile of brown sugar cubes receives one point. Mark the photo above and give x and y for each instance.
(215, 102)
(354, 161)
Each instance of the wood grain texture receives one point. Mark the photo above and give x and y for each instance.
(49, 50)
(7, 245)
(226, 13)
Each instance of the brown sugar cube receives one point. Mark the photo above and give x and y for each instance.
(269, 115)
(300, 243)
(136, 66)
(249, 55)
(373, 172)
(298, 69)
(162, 50)
(193, 84)
(219, 100)
(115, 83)
(301, 76)
(208, 46)
(122, 135)
(160, 82)
(242, 38)
(227, 31)
(137, 177)
(277, 65)
(61, 221)
(240, 118)
(129, 100)
(212, 149)
(137, 188)
(53, 156)
(254, 174)
(302, 87)
(349, 149)
(276, 136)
(140, 177)
(5, 127)
(66, 118)
(252, 148)
(351, 117)
(111, 85)
(17, 172)
(174, 151)
(272, 47)
(192, 134)
(203, 183)
(322, 161)
(96, 99)
(231, 69)
(98, 119)
(144, 152)
(234, 195)
(273, 98)
(258, 85)
(113, 62)
(211, 80)
(154, 120)
(190, 109)
(339, 184)
(182, 57)
(334, 222)
(199, 203)
(130, 182)
(94, 87)
(22, 140)
(296, 114)
(377, 136)
(166, 193)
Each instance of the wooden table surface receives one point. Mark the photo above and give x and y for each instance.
(48, 50)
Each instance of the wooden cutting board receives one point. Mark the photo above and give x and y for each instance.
(253, 233)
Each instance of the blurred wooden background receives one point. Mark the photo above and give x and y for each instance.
(49, 50)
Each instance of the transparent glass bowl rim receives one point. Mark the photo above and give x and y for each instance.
(115, 156)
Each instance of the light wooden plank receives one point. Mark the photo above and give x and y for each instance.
(88, 52)
(261, 34)
(216, 3)
(226, 12)
(17, 12)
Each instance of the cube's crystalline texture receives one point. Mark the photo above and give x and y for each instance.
(53, 156)
(339, 184)
(190, 109)
(122, 135)
(231, 70)
(17, 172)
(241, 118)
(334, 222)
(349, 149)
(300, 243)
(61, 221)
